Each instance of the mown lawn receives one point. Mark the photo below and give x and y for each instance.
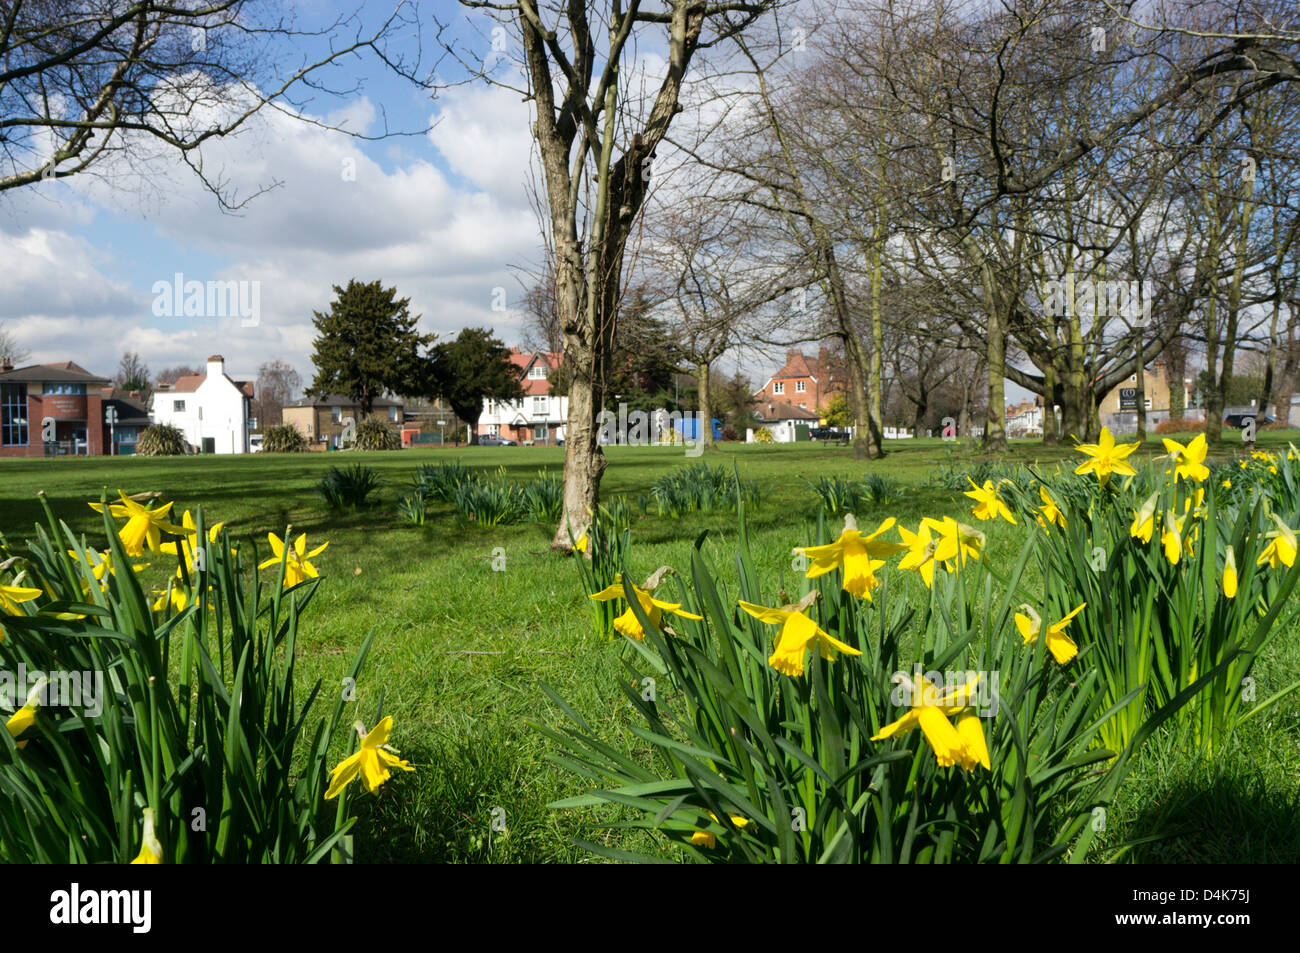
(461, 649)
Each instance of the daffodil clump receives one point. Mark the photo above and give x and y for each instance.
(195, 745)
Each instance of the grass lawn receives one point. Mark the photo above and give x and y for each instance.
(460, 649)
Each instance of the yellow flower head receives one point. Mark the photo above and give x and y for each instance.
(1230, 574)
(955, 541)
(1105, 457)
(1189, 460)
(797, 633)
(628, 623)
(297, 561)
(920, 552)
(963, 745)
(1281, 551)
(10, 596)
(708, 839)
(25, 717)
(144, 525)
(150, 848)
(371, 763)
(1050, 512)
(1144, 520)
(1171, 537)
(854, 552)
(988, 505)
(1059, 644)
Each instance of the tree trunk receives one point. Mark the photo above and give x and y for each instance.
(1141, 395)
(1051, 435)
(705, 406)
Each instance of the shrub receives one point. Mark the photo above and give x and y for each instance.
(439, 481)
(374, 434)
(201, 715)
(347, 487)
(412, 508)
(1180, 425)
(881, 490)
(284, 438)
(543, 498)
(162, 440)
(838, 496)
(763, 435)
(699, 487)
(490, 502)
(729, 432)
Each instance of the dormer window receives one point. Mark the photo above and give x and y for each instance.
(537, 373)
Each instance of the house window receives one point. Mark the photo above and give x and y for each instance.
(392, 414)
(539, 432)
(491, 407)
(800, 387)
(537, 373)
(178, 407)
(539, 405)
(778, 387)
(336, 414)
(74, 390)
(13, 415)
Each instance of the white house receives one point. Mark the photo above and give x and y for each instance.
(539, 418)
(212, 410)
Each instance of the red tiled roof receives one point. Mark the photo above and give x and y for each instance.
(534, 387)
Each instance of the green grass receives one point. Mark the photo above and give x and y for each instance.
(460, 649)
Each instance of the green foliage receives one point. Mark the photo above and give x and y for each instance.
(373, 433)
(347, 487)
(283, 439)
(413, 507)
(201, 715)
(162, 440)
(836, 413)
(367, 345)
(601, 556)
(838, 495)
(472, 367)
(543, 498)
(439, 481)
(700, 488)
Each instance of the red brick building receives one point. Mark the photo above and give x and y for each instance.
(806, 382)
(51, 410)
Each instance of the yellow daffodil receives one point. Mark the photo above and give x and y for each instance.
(10, 596)
(150, 848)
(1106, 457)
(627, 623)
(25, 717)
(1272, 469)
(1144, 520)
(1171, 537)
(371, 762)
(988, 505)
(1189, 460)
(1281, 551)
(1059, 644)
(297, 565)
(708, 839)
(1049, 513)
(1230, 574)
(1226, 484)
(964, 744)
(854, 552)
(580, 544)
(144, 525)
(189, 543)
(1243, 464)
(955, 541)
(797, 633)
(920, 552)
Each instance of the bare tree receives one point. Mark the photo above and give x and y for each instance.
(277, 382)
(86, 82)
(596, 135)
(11, 352)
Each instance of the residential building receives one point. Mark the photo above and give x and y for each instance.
(50, 410)
(539, 417)
(323, 420)
(211, 409)
(782, 413)
(125, 417)
(1118, 408)
(806, 382)
(1025, 419)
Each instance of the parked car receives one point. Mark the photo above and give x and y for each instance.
(829, 434)
(255, 443)
(492, 440)
(1238, 420)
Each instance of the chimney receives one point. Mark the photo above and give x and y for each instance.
(789, 354)
(216, 366)
(6, 364)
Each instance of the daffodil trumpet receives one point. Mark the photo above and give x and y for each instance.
(653, 609)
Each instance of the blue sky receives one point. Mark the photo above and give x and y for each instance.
(444, 217)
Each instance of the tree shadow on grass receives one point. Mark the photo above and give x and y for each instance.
(1224, 819)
